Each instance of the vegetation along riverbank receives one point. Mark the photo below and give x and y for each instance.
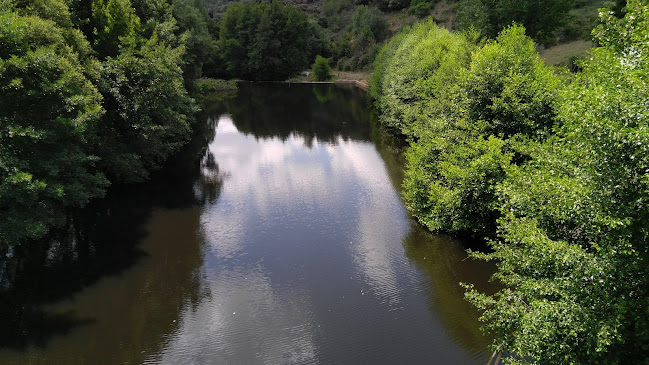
(549, 166)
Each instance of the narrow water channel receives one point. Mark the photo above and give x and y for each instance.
(284, 241)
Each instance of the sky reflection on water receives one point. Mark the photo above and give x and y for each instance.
(286, 242)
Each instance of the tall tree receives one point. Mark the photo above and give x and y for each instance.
(148, 110)
(49, 111)
(267, 41)
(506, 95)
(192, 21)
(115, 25)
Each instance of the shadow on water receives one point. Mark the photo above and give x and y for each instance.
(56, 268)
(443, 259)
(101, 241)
(268, 110)
(446, 264)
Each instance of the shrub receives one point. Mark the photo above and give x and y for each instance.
(421, 8)
(470, 123)
(574, 237)
(540, 18)
(420, 78)
(321, 69)
(370, 19)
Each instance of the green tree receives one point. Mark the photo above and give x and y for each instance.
(540, 17)
(148, 110)
(266, 41)
(321, 69)
(389, 4)
(49, 110)
(506, 97)
(370, 20)
(573, 253)
(115, 24)
(194, 23)
(141, 80)
(421, 8)
(419, 82)
(68, 119)
(379, 68)
(450, 181)
(508, 89)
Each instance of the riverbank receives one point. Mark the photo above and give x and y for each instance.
(360, 79)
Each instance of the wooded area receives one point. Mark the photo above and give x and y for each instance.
(551, 168)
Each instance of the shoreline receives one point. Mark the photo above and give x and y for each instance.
(358, 83)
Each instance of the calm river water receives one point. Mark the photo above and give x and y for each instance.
(277, 237)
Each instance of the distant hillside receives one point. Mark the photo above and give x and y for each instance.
(351, 47)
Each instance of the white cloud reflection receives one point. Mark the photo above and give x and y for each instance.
(250, 318)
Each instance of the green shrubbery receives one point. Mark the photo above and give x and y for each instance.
(461, 108)
(89, 97)
(541, 18)
(356, 47)
(49, 109)
(421, 8)
(554, 173)
(416, 77)
(321, 69)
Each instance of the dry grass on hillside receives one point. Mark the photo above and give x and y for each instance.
(444, 14)
(561, 54)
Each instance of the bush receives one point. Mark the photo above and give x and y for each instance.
(420, 78)
(321, 69)
(50, 111)
(421, 8)
(574, 238)
(469, 115)
(508, 88)
(370, 19)
(334, 7)
(490, 17)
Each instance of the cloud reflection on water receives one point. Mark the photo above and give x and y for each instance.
(291, 213)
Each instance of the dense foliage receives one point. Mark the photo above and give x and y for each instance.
(465, 112)
(357, 32)
(90, 94)
(47, 102)
(541, 18)
(321, 69)
(574, 252)
(416, 76)
(267, 41)
(554, 172)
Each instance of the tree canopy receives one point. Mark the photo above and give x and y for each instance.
(267, 41)
(573, 252)
(48, 102)
(91, 94)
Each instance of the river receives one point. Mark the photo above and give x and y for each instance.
(277, 236)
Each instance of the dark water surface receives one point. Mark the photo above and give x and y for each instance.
(286, 242)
